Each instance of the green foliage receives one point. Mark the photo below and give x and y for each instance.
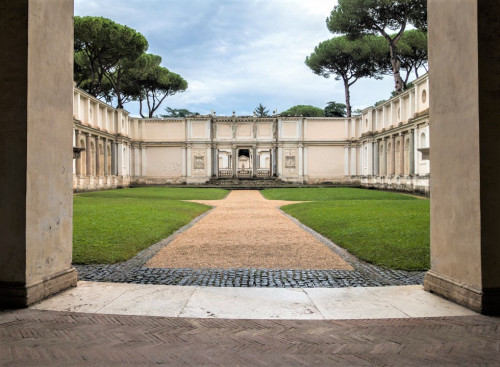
(178, 112)
(412, 52)
(113, 226)
(304, 110)
(104, 51)
(378, 103)
(334, 109)
(349, 60)
(383, 228)
(150, 83)
(360, 17)
(260, 111)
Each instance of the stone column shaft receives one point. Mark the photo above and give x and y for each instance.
(88, 156)
(402, 155)
(97, 157)
(393, 155)
(464, 133)
(254, 161)
(36, 190)
(105, 141)
(412, 152)
(234, 160)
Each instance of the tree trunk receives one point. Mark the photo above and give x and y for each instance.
(347, 97)
(398, 81)
(140, 108)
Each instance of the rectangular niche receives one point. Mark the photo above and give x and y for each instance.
(199, 162)
(199, 129)
(244, 131)
(290, 161)
(264, 130)
(224, 131)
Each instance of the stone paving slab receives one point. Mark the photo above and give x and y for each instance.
(252, 303)
(48, 338)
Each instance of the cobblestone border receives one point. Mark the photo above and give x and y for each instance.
(364, 275)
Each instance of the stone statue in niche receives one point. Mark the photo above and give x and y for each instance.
(290, 161)
(199, 162)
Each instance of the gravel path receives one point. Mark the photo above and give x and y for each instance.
(247, 231)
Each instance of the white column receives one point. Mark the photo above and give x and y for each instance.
(375, 153)
(144, 162)
(105, 146)
(346, 160)
(411, 151)
(188, 161)
(120, 157)
(353, 170)
(362, 159)
(279, 163)
(216, 162)
(369, 158)
(209, 161)
(137, 161)
(305, 162)
(98, 120)
(184, 161)
(77, 108)
(301, 162)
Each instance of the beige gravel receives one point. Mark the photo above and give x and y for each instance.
(247, 231)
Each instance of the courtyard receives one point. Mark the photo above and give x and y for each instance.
(247, 240)
(37, 225)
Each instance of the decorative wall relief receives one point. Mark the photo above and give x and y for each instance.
(290, 162)
(199, 162)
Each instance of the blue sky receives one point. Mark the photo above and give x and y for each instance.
(236, 54)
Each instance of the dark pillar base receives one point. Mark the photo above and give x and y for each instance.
(485, 301)
(19, 295)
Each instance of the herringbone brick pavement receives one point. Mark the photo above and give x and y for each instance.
(48, 338)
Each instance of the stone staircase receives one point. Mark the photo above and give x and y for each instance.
(248, 183)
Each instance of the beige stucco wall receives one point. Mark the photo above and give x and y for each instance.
(265, 131)
(289, 129)
(244, 131)
(164, 161)
(224, 131)
(325, 161)
(164, 130)
(199, 129)
(324, 129)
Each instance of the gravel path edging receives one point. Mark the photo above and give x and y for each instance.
(364, 275)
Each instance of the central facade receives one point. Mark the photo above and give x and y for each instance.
(197, 149)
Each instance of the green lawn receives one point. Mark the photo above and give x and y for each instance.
(113, 226)
(383, 228)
